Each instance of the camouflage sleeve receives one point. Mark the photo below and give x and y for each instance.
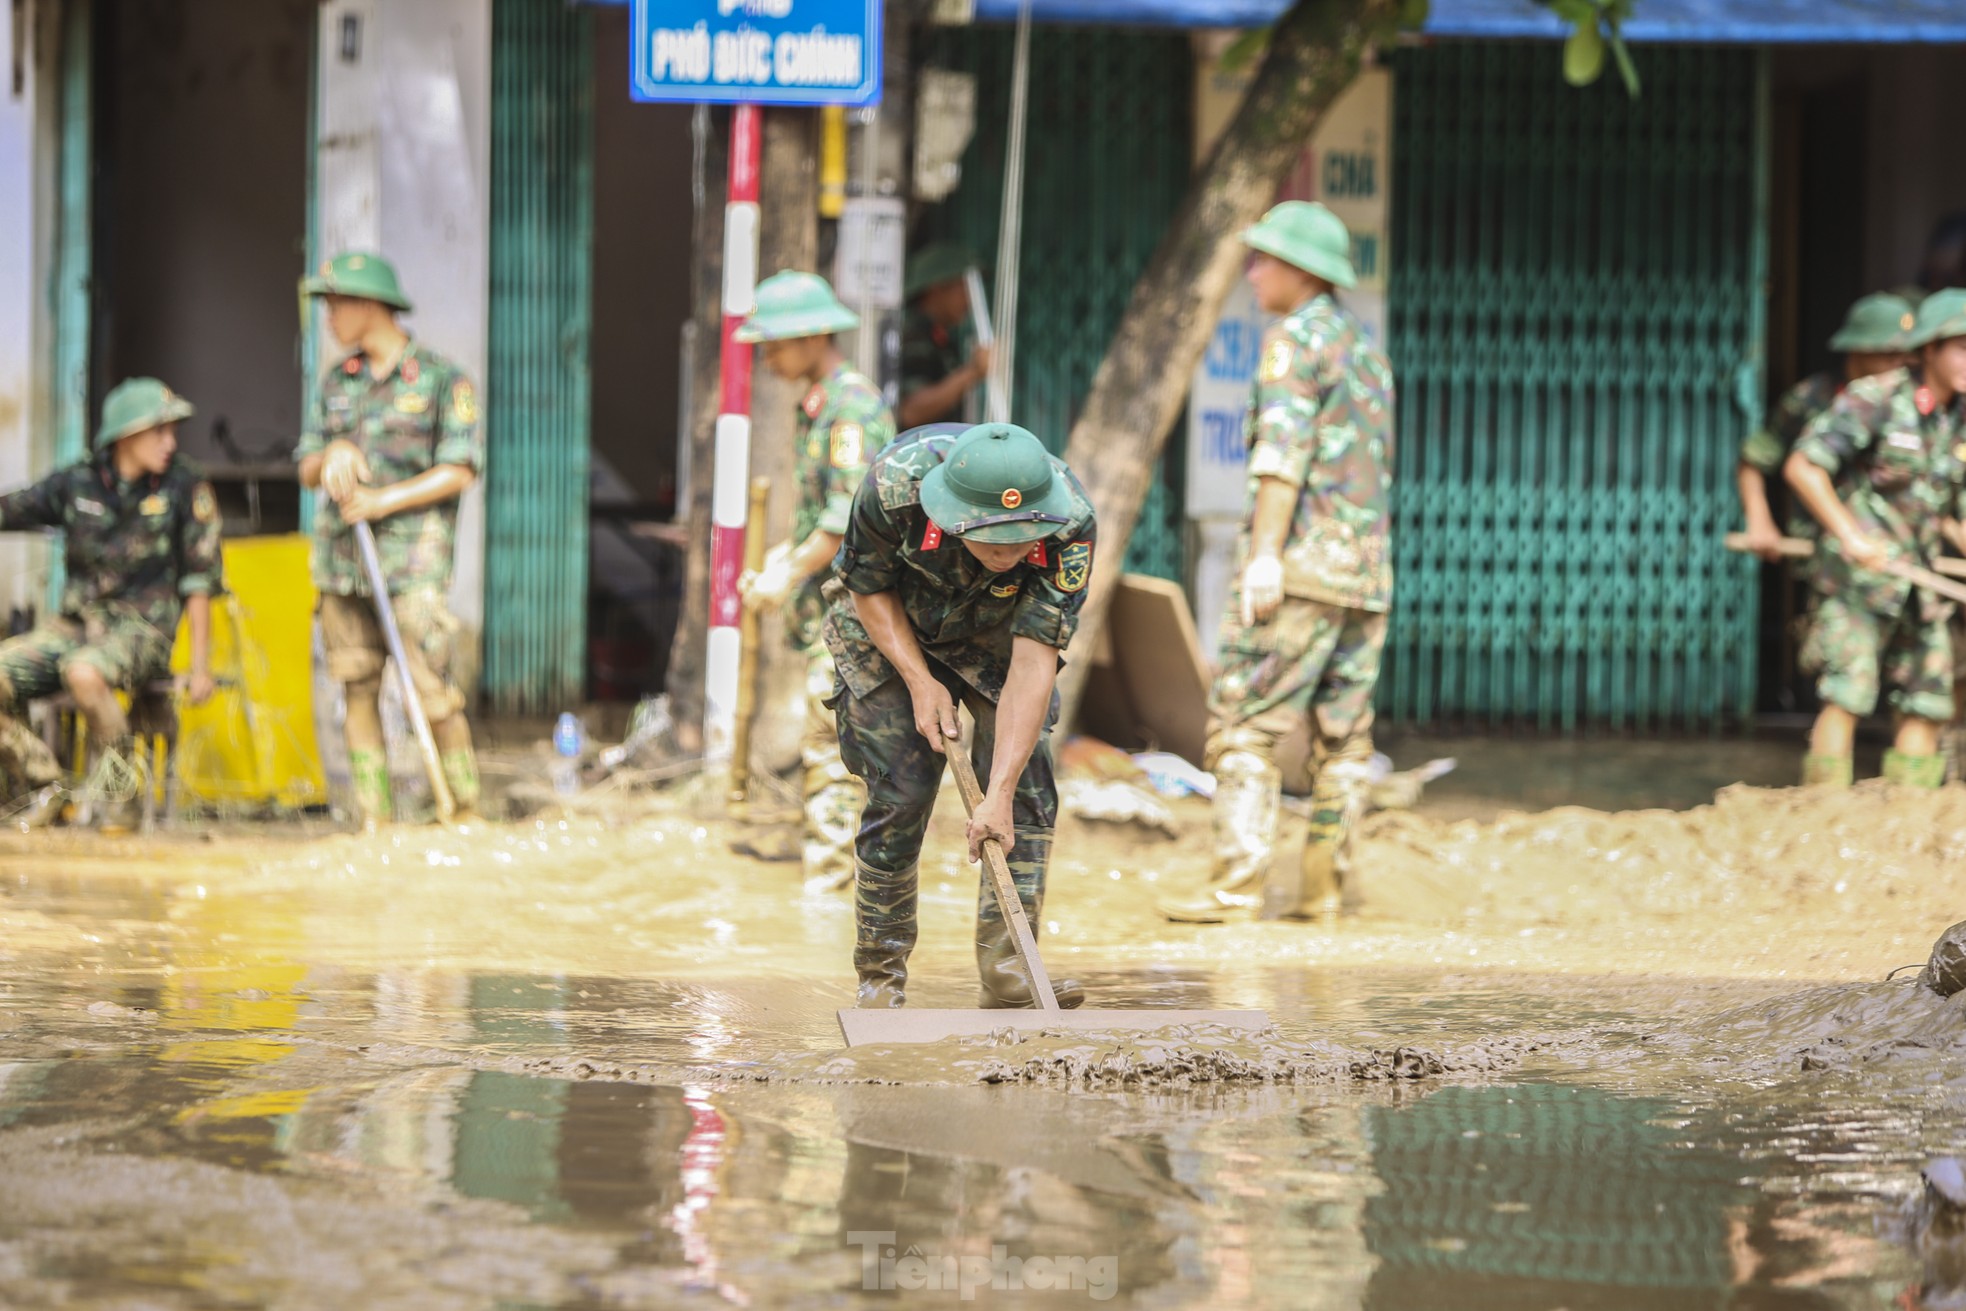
(856, 437)
(869, 558)
(1286, 406)
(1763, 450)
(1048, 610)
(200, 570)
(38, 506)
(460, 431)
(1840, 433)
(312, 442)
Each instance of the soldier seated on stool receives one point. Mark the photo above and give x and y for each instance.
(141, 529)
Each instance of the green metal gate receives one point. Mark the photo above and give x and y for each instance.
(1576, 326)
(536, 393)
(1106, 163)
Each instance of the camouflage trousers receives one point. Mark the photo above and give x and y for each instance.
(1311, 661)
(1855, 653)
(832, 795)
(903, 773)
(124, 648)
(351, 635)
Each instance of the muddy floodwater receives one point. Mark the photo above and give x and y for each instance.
(1568, 1058)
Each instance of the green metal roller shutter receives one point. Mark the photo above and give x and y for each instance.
(536, 390)
(1575, 324)
(1107, 162)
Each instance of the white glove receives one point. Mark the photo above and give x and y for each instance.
(1262, 588)
(772, 583)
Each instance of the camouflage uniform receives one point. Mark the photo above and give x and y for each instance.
(134, 551)
(843, 422)
(1769, 446)
(929, 352)
(1898, 462)
(424, 414)
(1320, 419)
(965, 618)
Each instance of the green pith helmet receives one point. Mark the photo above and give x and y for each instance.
(793, 304)
(1306, 234)
(136, 404)
(1942, 315)
(356, 273)
(1878, 323)
(996, 486)
(933, 263)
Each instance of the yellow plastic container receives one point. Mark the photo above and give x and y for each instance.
(253, 743)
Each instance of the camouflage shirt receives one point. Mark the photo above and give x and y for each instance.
(963, 615)
(929, 353)
(1769, 446)
(1321, 419)
(136, 547)
(425, 413)
(1899, 464)
(842, 424)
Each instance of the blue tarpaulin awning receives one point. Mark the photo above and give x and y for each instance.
(1756, 22)
(1750, 22)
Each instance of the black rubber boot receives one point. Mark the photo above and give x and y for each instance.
(884, 934)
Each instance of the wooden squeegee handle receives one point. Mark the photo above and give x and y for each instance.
(1797, 548)
(1003, 885)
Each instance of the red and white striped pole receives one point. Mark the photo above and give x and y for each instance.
(732, 473)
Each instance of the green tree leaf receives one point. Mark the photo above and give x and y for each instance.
(1583, 54)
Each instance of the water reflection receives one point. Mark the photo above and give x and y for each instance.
(173, 1026)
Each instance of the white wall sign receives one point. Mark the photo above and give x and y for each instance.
(867, 267)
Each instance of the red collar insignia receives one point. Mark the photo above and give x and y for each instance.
(1924, 400)
(815, 400)
(931, 537)
(352, 366)
(1037, 556)
(410, 371)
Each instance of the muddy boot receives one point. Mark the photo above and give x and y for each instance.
(41, 807)
(461, 773)
(1000, 968)
(1248, 792)
(1006, 981)
(1827, 771)
(120, 778)
(1326, 884)
(832, 817)
(884, 934)
(1907, 770)
(368, 771)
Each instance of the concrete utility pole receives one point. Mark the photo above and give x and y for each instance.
(788, 192)
(1315, 51)
(686, 654)
(788, 195)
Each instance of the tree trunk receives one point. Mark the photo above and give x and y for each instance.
(1315, 50)
(684, 683)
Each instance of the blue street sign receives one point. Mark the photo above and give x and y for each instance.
(757, 52)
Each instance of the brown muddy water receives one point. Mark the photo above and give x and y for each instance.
(1570, 1059)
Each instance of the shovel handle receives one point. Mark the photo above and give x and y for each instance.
(1936, 579)
(1002, 884)
(392, 636)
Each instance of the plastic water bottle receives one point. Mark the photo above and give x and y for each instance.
(567, 742)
